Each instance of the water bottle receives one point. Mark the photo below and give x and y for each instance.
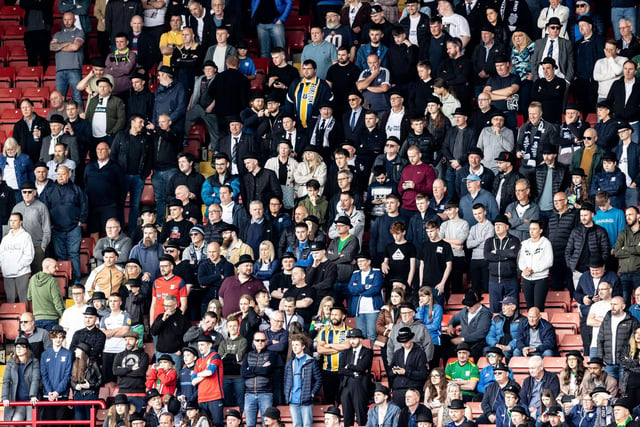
(35, 128)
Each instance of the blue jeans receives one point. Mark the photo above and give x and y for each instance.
(133, 184)
(160, 181)
(66, 78)
(301, 415)
(270, 35)
(615, 371)
(67, 247)
(629, 282)
(46, 324)
(253, 402)
(631, 197)
(497, 291)
(231, 387)
(81, 412)
(450, 179)
(617, 13)
(214, 410)
(367, 324)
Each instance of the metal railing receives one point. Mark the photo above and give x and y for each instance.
(36, 422)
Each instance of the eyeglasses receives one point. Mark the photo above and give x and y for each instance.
(26, 321)
(258, 340)
(554, 27)
(353, 99)
(588, 138)
(27, 191)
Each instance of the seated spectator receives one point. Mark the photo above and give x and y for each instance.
(537, 337)
(504, 414)
(129, 368)
(494, 395)
(538, 379)
(505, 336)
(435, 392)
(413, 410)
(571, 376)
(495, 357)
(162, 376)
(116, 239)
(475, 322)
(611, 180)
(597, 377)
(602, 400)
(457, 410)
(453, 392)
(584, 413)
(463, 371)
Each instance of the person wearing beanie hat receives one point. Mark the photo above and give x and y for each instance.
(492, 140)
(383, 406)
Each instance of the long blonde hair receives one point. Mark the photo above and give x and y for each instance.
(633, 345)
(11, 143)
(525, 43)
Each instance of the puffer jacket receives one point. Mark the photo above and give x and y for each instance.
(171, 100)
(598, 244)
(67, 205)
(559, 180)
(46, 296)
(627, 250)
(256, 374)
(561, 226)
(311, 380)
(605, 339)
(496, 331)
(10, 380)
(503, 263)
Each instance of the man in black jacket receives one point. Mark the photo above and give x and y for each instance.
(559, 176)
(140, 99)
(408, 371)
(132, 151)
(355, 367)
(501, 252)
(257, 369)
(90, 334)
(30, 130)
(322, 273)
(627, 107)
(457, 143)
(130, 369)
(259, 183)
(169, 329)
(560, 224)
(504, 186)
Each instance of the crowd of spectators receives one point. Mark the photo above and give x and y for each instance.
(472, 147)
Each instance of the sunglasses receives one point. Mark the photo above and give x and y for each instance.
(554, 27)
(581, 5)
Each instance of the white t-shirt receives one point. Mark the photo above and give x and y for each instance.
(456, 25)
(599, 309)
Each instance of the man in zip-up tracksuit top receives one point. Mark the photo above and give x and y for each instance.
(207, 376)
(302, 381)
(55, 370)
(501, 252)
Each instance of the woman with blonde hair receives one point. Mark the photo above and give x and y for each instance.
(311, 167)
(322, 317)
(21, 382)
(629, 357)
(435, 392)
(267, 264)
(16, 167)
(119, 414)
(521, 53)
(221, 324)
(454, 391)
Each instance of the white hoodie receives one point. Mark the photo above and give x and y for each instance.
(16, 253)
(538, 256)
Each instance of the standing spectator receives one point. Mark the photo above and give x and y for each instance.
(115, 239)
(36, 222)
(20, 382)
(355, 367)
(475, 194)
(625, 251)
(463, 371)
(332, 340)
(366, 287)
(589, 49)
(533, 136)
(626, 107)
(56, 375)
(121, 64)
(436, 257)
(187, 60)
(90, 334)
(257, 369)
(45, 296)
(115, 326)
(234, 287)
(167, 284)
(552, 46)
(38, 20)
(422, 336)
(67, 205)
(232, 351)
(455, 232)
(85, 380)
(16, 168)
(200, 21)
(608, 69)
(408, 366)
(108, 277)
(118, 15)
(302, 381)
(502, 252)
(30, 130)
(38, 337)
(16, 255)
(311, 82)
(585, 241)
(478, 235)
(505, 183)
(207, 376)
(172, 38)
(384, 412)
(535, 258)
(106, 113)
(616, 329)
(270, 19)
(73, 316)
(67, 45)
(89, 84)
(413, 410)
(129, 368)
(562, 221)
(493, 140)
(103, 180)
(171, 98)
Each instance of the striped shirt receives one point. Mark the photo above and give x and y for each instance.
(331, 335)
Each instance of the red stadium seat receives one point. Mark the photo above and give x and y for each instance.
(554, 364)
(29, 76)
(18, 56)
(87, 245)
(454, 304)
(12, 14)
(38, 95)
(15, 32)
(570, 342)
(9, 116)
(7, 76)
(476, 409)
(566, 321)
(560, 299)
(10, 328)
(262, 64)
(519, 365)
(9, 97)
(295, 40)
(12, 310)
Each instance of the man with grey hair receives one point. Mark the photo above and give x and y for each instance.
(538, 379)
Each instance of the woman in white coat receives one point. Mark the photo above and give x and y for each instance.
(534, 260)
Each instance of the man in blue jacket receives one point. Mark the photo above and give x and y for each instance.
(537, 337)
(68, 208)
(497, 337)
(302, 382)
(55, 371)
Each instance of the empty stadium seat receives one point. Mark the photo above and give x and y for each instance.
(566, 321)
(10, 328)
(7, 76)
(17, 56)
(12, 14)
(29, 76)
(554, 364)
(519, 365)
(560, 299)
(570, 342)
(38, 95)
